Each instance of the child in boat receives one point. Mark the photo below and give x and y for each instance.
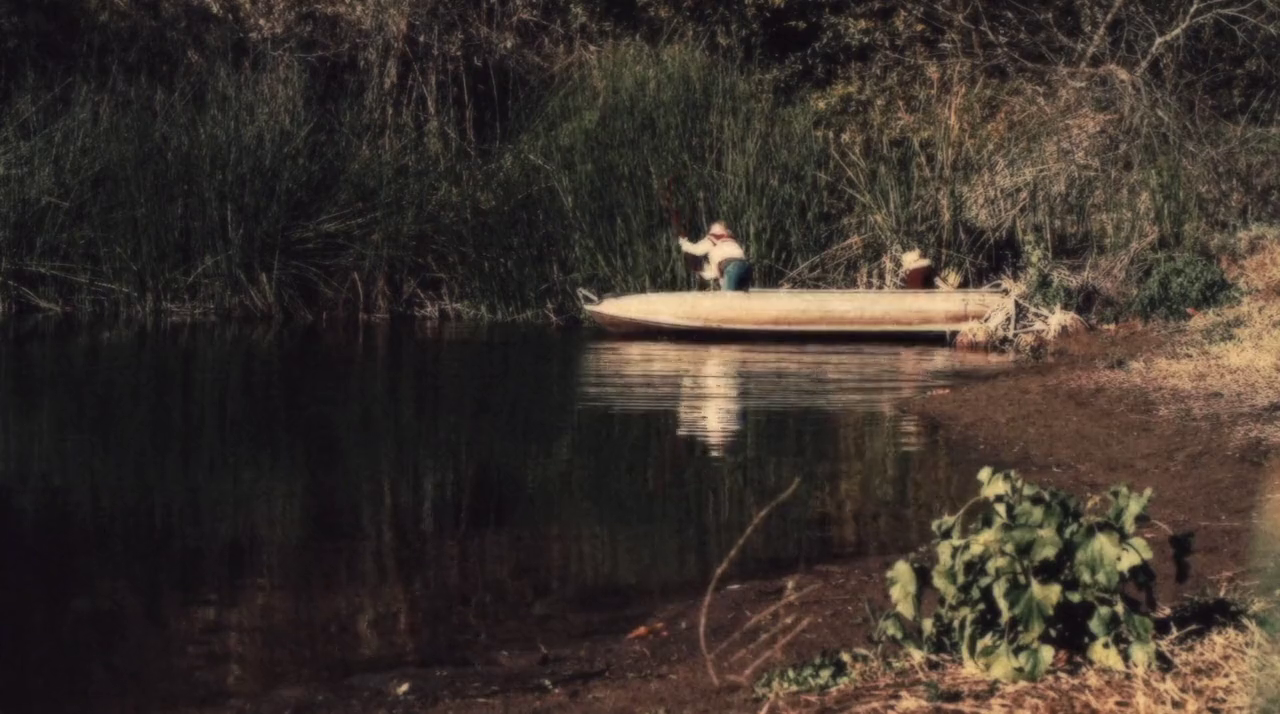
(726, 263)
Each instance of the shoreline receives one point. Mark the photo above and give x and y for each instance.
(1053, 422)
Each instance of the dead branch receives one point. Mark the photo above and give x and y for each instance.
(773, 651)
(1188, 21)
(763, 614)
(724, 566)
(1098, 34)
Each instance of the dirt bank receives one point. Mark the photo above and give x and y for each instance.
(1060, 423)
(1067, 424)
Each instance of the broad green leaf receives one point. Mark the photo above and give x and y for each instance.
(1101, 624)
(946, 553)
(1001, 565)
(1140, 544)
(945, 583)
(1047, 546)
(1096, 561)
(945, 527)
(1033, 609)
(1035, 661)
(1141, 628)
(1127, 507)
(1001, 664)
(1102, 652)
(1136, 552)
(1000, 507)
(904, 591)
(1020, 539)
(1029, 513)
(995, 485)
(1142, 654)
(1048, 595)
(989, 539)
(984, 477)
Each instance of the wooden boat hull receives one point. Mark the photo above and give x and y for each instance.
(810, 312)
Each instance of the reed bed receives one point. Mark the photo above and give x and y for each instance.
(271, 184)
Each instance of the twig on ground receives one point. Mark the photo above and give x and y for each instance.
(724, 566)
(762, 615)
(773, 651)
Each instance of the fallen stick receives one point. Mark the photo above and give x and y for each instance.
(763, 614)
(724, 566)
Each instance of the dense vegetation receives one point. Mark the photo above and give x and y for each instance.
(488, 159)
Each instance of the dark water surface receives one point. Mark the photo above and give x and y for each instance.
(188, 511)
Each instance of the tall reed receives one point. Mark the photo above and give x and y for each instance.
(273, 189)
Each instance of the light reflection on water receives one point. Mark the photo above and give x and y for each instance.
(711, 387)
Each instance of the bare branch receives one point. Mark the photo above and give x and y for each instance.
(1191, 19)
(1097, 35)
(724, 566)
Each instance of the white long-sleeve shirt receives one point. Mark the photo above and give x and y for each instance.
(715, 252)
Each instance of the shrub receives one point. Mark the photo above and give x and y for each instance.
(1035, 575)
(1179, 282)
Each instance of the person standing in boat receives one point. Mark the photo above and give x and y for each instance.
(725, 263)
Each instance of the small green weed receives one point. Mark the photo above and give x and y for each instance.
(825, 672)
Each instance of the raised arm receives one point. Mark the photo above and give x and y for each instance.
(702, 247)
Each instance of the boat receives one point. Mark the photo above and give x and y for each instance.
(797, 312)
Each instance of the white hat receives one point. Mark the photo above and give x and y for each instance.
(913, 259)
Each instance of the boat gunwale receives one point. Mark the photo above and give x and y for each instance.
(823, 291)
(603, 313)
(682, 326)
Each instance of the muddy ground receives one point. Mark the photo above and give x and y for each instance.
(1050, 420)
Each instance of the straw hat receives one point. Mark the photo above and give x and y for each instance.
(913, 259)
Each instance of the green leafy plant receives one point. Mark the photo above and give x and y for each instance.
(1036, 574)
(1180, 282)
(829, 670)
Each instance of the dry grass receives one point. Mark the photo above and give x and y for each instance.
(1259, 270)
(1027, 332)
(1233, 668)
(1224, 361)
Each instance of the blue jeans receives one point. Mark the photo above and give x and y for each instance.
(736, 275)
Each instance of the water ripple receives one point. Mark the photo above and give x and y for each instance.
(711, 387)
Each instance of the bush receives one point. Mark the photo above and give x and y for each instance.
(1179, 282)
(1035, 575)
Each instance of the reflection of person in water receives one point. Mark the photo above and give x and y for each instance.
(710, 408)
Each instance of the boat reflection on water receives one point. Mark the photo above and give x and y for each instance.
(712, 387)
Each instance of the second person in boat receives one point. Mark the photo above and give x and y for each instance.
(725, 263)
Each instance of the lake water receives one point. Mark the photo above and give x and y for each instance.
(195, 510)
